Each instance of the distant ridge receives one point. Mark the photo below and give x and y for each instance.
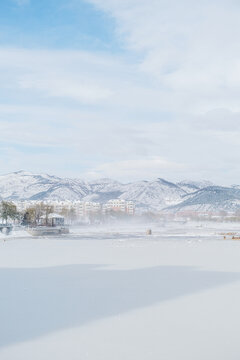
(158, 194)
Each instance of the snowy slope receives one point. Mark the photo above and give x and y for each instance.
(212, 198)
(153, 194)
(148, 195)
(24, 185)
(190, 186)
(102, 190)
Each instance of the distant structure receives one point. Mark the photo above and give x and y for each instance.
(53, 224)
(80, 209)
(119, 205)
(52, 220)
(6, 228)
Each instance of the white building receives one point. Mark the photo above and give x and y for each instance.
(120, 205)
(80, 208)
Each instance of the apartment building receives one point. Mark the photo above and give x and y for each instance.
(80, 208)
(120, 205)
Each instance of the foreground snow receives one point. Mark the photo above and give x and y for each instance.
(118, 294)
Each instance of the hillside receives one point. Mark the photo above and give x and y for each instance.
(148, 195)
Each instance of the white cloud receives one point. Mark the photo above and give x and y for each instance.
(176, 101)
(62, 74)
(189, 47)
(138, 169)
(57, 85)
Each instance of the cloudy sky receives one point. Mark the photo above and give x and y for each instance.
(127, 89)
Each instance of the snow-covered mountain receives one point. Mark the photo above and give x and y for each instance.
(191, 186)
(23, 185)
(153, 194)
(148, 195)
(211, 198)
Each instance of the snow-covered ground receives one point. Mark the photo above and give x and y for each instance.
(115, 293)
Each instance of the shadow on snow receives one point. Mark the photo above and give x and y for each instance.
(34, 302)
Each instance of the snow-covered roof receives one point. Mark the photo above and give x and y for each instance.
(53, 216)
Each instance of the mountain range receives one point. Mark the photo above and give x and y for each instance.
(152, 195)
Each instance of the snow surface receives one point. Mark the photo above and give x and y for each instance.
(116, 293)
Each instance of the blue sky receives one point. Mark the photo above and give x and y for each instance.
(55, 24)
(126, 89)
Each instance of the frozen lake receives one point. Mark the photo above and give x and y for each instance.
(115, 293)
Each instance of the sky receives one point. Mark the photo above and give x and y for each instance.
(124, 89)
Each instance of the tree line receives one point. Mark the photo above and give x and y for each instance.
(32, 215)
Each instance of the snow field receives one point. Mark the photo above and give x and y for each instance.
(124, 297)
